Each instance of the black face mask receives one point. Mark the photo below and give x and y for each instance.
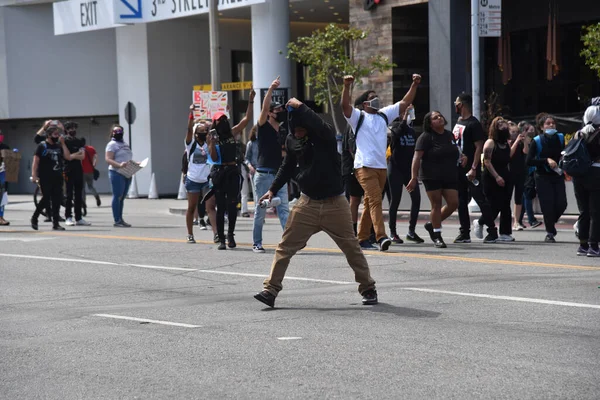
(503, 135)
(223, 130)
(118, 137)
(72, 133)
(281, 116)
(201, 136)
(53, 139)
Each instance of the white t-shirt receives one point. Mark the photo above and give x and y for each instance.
(198, 169)
(121, 150)
(371, 141)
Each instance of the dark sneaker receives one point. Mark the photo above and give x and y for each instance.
(121, 224)
(190, 239)
(202, 224)
(48, 219)
(593, 252)
(246, 215)
(222, 246)
(535, 224)
(266, 297)
(429, 229)
(58, 228)
(439, 243)
(34, 224)
(367, 245)
(549, 238)
(216, 238)
(98, 201)
(369, 297)
(61, 219)
(384, 244)
(195, 222)
(231, 241)
(491, 238)
(413, 237)
(463, 238)
(257, 248)
(396, 239)
(583, 249)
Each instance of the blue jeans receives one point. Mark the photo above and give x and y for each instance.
(120, 187)
(263, 182)
(527, 207)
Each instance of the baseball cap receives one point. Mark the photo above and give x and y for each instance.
(219, 115)
(275, 105)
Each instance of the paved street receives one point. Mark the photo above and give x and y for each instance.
(102, 312)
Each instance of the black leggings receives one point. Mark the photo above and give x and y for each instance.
(498, 197)
(397, 178)
(52, 192)
(227, 197)
(74, 190)
(553, 199)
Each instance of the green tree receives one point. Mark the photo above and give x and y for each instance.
(329, 54)
(591, 47)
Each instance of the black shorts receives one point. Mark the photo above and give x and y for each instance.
(437, 184)
(353, 188)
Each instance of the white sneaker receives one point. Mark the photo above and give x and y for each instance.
(70, 222)
(518, 227)
(83, 222)
(477, 229)
(505, 238)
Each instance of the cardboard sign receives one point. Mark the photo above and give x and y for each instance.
(11, 165)
(207, 104)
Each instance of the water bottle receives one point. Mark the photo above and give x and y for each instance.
(475, 181)
(273, 203)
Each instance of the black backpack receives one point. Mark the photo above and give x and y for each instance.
(576, 160)
(354, 135)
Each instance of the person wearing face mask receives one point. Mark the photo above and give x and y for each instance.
(544, 154)
(312, 158)
(587, 187)
(370, 128)
(47, 172)
(74, 176)
(3, 185)
(270, 121)
(196, 179)
(225, 174)
(399, 173)
(117, 155)
(470, 136)
(519, 170)
(497, 185)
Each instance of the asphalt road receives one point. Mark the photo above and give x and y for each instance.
(102, 312)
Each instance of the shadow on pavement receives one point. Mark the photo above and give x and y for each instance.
(383, 308)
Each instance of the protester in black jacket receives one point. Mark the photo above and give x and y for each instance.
(312, 158)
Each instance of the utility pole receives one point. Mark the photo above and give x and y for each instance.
(213, 28)
(475, 75)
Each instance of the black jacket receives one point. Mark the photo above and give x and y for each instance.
(312, 161)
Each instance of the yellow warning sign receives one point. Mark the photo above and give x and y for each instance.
(227, 86)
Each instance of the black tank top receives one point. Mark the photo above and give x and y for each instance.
(501, 160)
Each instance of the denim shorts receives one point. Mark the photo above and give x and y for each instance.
(194, 187)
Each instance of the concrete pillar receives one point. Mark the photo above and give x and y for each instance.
(133, 79)
(270, 37)
(449, 49)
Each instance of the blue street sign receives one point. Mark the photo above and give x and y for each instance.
(135, 13)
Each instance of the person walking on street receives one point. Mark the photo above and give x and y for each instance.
(435, 160)
(3, 185)
(470, 137)
(399, 174)
(312, 158)
(497, 184)
(370, 167)
(269, 160)
(74, 176)
(47, 172)
(587, 187)
(225, 173)
(117, 156)
(89, 166)
(544, 154)
(523, 179)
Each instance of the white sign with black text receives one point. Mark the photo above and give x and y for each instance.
(82, 15)
(140, 11)
(490, 18)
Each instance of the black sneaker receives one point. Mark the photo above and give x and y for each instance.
(190, 239)
(429, 229)
(384, 244)
(34, 224)
(48, 219)
(369, 297)
(396, 239)
(413, 237)
(439, 243)
(583, 249)
(58, 228)
(491, 238)
(463, 238)
(202, 224)
(549, 238)
(535, 224)
(216, 238)
(222, 246)
(366, 245)
(61, 219)
(98, 201)
(231, 241)
(266, 297)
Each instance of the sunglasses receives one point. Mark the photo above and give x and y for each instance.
(118, 131)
